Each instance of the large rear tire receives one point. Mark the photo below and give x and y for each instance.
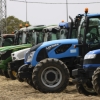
(50, 76)
(96, 80)
(85, 89)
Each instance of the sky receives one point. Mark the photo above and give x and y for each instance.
(48, 14)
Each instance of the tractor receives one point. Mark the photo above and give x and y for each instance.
(6, 40)
(86, 78)
(25, 38)
(68, 30)
(49, 64)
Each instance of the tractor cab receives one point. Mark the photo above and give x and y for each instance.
(39, 34)
(89, 40)
(7, 39)
(30, 35)
(89, 33)
(52, 32)
(67, 30)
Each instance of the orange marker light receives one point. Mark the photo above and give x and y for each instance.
(62, 20)
(26, 25)
(74, 46)
(86, 10)
(12, 32)
(20, 25)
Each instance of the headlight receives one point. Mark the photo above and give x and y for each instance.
(29, 58)
(2, 52)
(90, 56)
(13, 58)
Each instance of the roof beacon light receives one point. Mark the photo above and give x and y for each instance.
(12, 32)
(62, 20)
(20, 26)
(86, 10)
(26, 25)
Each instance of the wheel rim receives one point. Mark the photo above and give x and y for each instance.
(51, 77)
(88, 89)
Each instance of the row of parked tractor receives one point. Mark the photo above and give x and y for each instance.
(46, 57)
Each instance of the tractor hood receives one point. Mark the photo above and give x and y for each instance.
(14, 47)
(19, 55)
(91, 59)
(94, 52)
(53, 49)
(64, 41)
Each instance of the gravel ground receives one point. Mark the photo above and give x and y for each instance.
(14, 90)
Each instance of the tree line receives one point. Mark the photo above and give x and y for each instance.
(12, 24)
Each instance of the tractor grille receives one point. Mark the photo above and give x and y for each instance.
(42, 55)
(6, 55)
(62, 48)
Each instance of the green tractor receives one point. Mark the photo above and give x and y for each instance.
(6, 40)
(24, 38)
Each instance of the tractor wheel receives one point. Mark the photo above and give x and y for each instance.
(19, 79)
(1, 73)
(29, 81)
(96, 80)
(50, 76)
(12, 74)
(85, 89)
(5, 73)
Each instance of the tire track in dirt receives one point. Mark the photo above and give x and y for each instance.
(14, 90)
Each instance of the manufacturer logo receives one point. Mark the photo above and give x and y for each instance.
(51, 46)
(73, 51)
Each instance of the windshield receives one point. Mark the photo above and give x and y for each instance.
(40, 36)
(90, 32)
(58, 34)
(21, 37)
(63, 33)
(74, 33)
(81, 30)
(7, 41)
(48, 36)
(31, 37)
(35, 37)
(0, 42)
(93, 32)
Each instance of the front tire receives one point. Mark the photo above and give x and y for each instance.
(19, 79)
(5, 73)
(1, 73)
(12, 75)
(30, 82)
(85, 89)
(96, 80)
(50, 75)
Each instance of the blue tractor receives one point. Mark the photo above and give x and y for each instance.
(87, 78)
(49, 65)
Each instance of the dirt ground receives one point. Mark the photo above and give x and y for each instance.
(14, 90)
